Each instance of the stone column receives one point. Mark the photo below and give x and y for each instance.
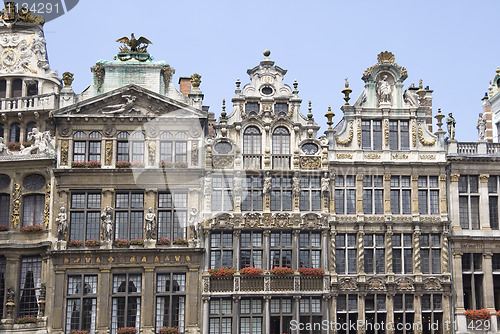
(418, 313)
(295, 245)
(388, 251)
(8, 88)
(192, 301)
(387, 194)
(266, 246)
(489, 298)
(267, 315)
(147, 309)
(414, 194)
(103, 300)
(236, 310)
(417, 269)
(443, 202)
(458, 286)
(207, 250)
(206, 314)
(12, 270)
(447, 309)
(296, 311)
(454, 213)
(236, 247)
(326, 313)
(389, 301)
(361, 313)
(361, 253)
(359, 194)
(324, 249)
(484, 203)
(333, 254)
(333, 311)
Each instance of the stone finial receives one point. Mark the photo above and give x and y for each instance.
(196, 81)
(238, 83)
(439, 117)
(267, 53)
(421, 91)
(223, 114)
(309, 114)
(346, 91)
(329, 116)
(295, 87)
(67, 78)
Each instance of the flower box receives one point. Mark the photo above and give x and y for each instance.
(75, 243)
(137, 164)
(481, 314)
(127, 330)
(93, 164)
(497, 314)
(251, 271)
(312, 271)
(4, 228)
(121, 243)
(31, 228)
(222, 272)
(180, 164)
(14, 146)
(78, 164)
(92, 243)
(123, 164)
(180, 241)
(137, 242)
(163, 241)
(27, 143)
(166, 164)
(168, 330)
(82, 331)
(281, 271)
(26, 320)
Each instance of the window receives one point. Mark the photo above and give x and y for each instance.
(472, 277)
(347, 313)
(281, 148)
(374, 246)
(373, 194)
(430, 253)
(310, 313)
(222, 193)
(137, 146)
(30, 283)
(171, 300)
(81, 303)
(129, 215)
(3, 88)
(468, 201)
(252, 148)
(310, 193)
(173, 150)
(15, 133)
(17, 88)
(221, 250)
(402, 253)
(251, 249)
(493, 201)
(126, 301)
(400, 195)
(85, 216)
(496, 279)
(87, 150)
(375, 313)
(221, 317)
(428, 195)
(252, 107)
(33, 206)
(252, 194)
(281, 315)
(31, 87)
(281, 109)
(251, 316)
(2, 283)
(310, 249)
(281, 193)
(345, 194)
(122, 147)
(404, 314)
(172, 215)
(432, 314)
(371, 135)
(4, 210)
(281, 249)
(345, 251)
(399, 135)
(29, 127)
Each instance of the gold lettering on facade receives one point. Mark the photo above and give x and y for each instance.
(144, 259)
(111, 259)
(177, 258)
(66, 260)
(88, 260)
(132, 259)
(188, 258)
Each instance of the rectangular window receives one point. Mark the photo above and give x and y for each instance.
(281, 315)
(493, 201)
(221, 250)
(402, 253)
(281, 249)
(252, 194)
(281, 193)
(472, 280)
(373, 194)
(222, 193)
(252, 107)
(122, 151)
(404, 314)
(81, 303)
(400, 195)
(84, 216)
(33, 206)
(430, 253)
(221, 317)
(129, 210)
(87, 151)
(347, 313)
(138, 151)
(251, 316)
(346, 257)
(374, 246)
(310, 193)
(468, 188)
(281, 108)
(310, 249)
(171, 300)
(399, 138)
(428, 195)
(4, 209)
(29, 285)
(310, 312)
(172, 215)
(345, 194)
(371, 134)
(251, 249)
(375, 313)
(432, 314)
(126, 301)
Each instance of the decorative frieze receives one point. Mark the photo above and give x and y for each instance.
(343, 156)
(64, 152)
(310, 162)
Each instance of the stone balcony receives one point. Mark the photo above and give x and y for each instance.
(481, 148)
(29, 103)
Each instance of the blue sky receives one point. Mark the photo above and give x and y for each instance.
(451, 45)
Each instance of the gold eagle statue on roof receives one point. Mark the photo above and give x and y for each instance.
(134, 44)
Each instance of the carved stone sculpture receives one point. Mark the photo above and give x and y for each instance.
(62, 224)
(325, 183)
(123, 107)
(481, 127)
(3, 148)
(41, 143)
(150, 224)
(107, 224)
(267, 183)
(450, 122)
(194, 225)
(384, 90)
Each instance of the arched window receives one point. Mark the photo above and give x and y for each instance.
(15, 133)
(122, 147)
(252, 140)
(29, 128)
(281, 141)
(173, 150)
(137, 147)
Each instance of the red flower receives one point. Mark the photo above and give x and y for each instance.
(316, 272)
(251, 271)
(222, 272)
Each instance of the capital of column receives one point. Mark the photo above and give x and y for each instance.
(483, 178)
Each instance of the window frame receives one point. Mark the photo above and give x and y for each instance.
(81, 297)
(85, 210)
(127, 296)
(172, 219)
(172, 294)
(131, 211)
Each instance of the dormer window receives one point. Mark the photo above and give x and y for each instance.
(399, 135)
(371, 134)
(252, 107)
(281, 109)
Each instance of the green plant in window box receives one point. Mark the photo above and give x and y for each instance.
(168, 330)
(31, 228)
(93, 164)
(127, 330)
(281, 271)
(26, 320)
(180, 241)
(314, 272)
(14, 146)
(27, 143)
(222, 272)
(137, 164)
(181, 164)
(4, 228)
(121, 243)
(163, 241)
(79, 331)
(251, 271)
(137, 242)
(122, 164)
(92, 243)
(166, 164)
(78, 164)
(75, 243)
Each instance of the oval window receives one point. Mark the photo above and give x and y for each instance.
(34, 182)
(223, 147)
(267, 90)
(309, 148)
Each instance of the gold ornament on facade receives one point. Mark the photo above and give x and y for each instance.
(483, 178)
(16, 205)
(386, 58)
(108, 155)
(64, 152)
(372, 156)
(132, 44)
(400, 156)
(310, 162)
(342, 156)
(454, 177)
(167, 72)
(99, 74)
(386, 131)
(9, 14)
(329, 116)
(46, 210)
(414, 133)
(196, 81)
(422, 139)
(67, 78)
(442, 177)
(428, 157)
(359, 132)
(350, 135)
(346, 91)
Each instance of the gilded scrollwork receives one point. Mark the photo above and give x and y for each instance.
(424, 141)
(414, 133)
(350, 135)
(16, 205)
(108, 152)
(224, 161)
(386, 131)
(342, 156)
(310, 162)
(99, 74)
(64, 152)
(46, 210)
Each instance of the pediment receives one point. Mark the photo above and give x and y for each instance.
(130, 101)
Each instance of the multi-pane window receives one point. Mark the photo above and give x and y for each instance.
(172, 215)
(400, 195)
(129, 215)
(29, 285)
(430, 253)
(122, 147)
(281, 249)
(173, 149)
(87, 149)
(137, 144)
(221, 317)
(428, 195)
(29, 128)
(281, 148)
(281, 109)
(375, 313)
(84, 216)
(251, 249)
(222, 193)
(221, 249)
(432, 314)
(371, 134)
(15, 133)
(468, 201)
(252, 107)
(347, 313)
(402, 253)
(251, 316)
(130, 148)
(373, 194)
(472, 278)
(281, 315)
(310, 313)
(252, 194)
(310, 193)
(345, 252)
(81, 303)
(4, 209)
(374, 246)
(496, 279)
(252, 149)
(126, 301)
(345, 194)
(493, 201)
(281, 193)
(171, 300)
(310, 249)
(33, 206)
(2, 283)
(399, 135)
(404, 314)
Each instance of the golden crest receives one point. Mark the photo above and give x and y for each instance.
(385, 57)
